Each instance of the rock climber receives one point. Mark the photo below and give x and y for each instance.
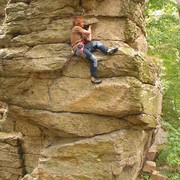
(83, 46)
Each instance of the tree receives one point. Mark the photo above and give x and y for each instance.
(164, 41)
(163, 27)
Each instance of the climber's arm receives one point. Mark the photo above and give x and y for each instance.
(89, 36)
(87, 32)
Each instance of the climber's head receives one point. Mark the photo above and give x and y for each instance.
(79, 22)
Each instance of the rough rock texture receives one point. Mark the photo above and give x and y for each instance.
(157, 176)
(54, 123)
(11, 156)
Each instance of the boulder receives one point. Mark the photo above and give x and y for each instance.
(66, 124)
(149, 167)
(157, 176)
(152, 153)
(56, 123)
(115, 97)
(105, 157)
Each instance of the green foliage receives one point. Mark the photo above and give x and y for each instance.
(163, 30)
(145, 176)
(161, 4)
(172, 176)
(170, 155)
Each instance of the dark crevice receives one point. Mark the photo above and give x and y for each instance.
(14, 1)
(21, 157)
(15, 34)
(28, 1)
(80, 3)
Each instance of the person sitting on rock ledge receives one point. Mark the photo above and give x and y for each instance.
(80, 47)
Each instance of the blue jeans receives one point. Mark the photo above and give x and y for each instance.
(87, 54)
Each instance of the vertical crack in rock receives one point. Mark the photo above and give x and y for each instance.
(12, 165)
(21, 157)
(80, 3)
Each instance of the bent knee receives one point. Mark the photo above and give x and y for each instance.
(93, 60)
(97, 43)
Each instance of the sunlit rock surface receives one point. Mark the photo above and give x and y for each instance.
(54, 123)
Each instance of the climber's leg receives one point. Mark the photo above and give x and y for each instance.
(98, 45)
(93, 63)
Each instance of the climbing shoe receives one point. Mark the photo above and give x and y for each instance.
(112, 51)
(96, 81)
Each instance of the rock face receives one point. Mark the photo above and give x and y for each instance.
(54, 123)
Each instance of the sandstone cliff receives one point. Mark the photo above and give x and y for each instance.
(54, 123)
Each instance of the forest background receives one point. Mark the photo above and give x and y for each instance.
(163, 35)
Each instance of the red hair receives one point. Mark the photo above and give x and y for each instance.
(78, 21)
